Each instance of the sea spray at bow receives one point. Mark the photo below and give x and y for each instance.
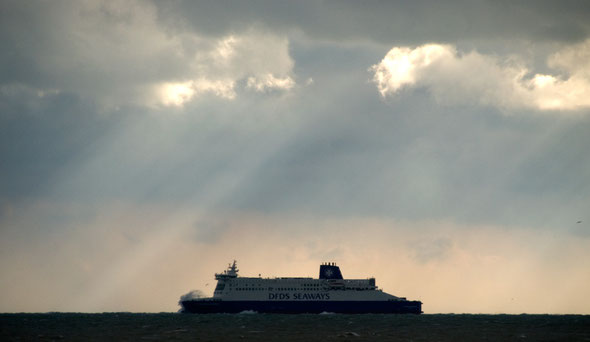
(194, 294)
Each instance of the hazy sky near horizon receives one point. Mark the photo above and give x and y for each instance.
(441, 147)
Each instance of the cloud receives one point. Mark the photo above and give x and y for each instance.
(269, 81)
(260, 59)
(177, 94)
(387, 21)
(475, 78)
(574, 59)
(134, 57)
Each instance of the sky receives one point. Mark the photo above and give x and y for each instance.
(441, 147)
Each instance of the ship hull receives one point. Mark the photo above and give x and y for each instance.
(296, 307)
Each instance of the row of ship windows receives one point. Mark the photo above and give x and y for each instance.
(249, 289)
(276, 289)
(302, 286)
(294, 289)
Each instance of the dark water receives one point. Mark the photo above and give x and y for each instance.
(269, 327)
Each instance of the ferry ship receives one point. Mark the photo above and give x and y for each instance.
(328, 293)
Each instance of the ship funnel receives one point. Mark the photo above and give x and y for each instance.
(330, 271)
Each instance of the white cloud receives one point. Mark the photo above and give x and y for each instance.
(452, 77)
(260, 59)
(221, 88)
(177, 94)
(269, 81)
(574, 59)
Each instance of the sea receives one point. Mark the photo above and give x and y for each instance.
(251, 326)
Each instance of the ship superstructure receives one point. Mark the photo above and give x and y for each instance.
(330, 292)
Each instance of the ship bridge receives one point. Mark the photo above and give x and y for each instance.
(231, 272)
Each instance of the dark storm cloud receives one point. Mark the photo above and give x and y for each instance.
(393, 21)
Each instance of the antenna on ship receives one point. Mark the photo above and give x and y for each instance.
(233, 268)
